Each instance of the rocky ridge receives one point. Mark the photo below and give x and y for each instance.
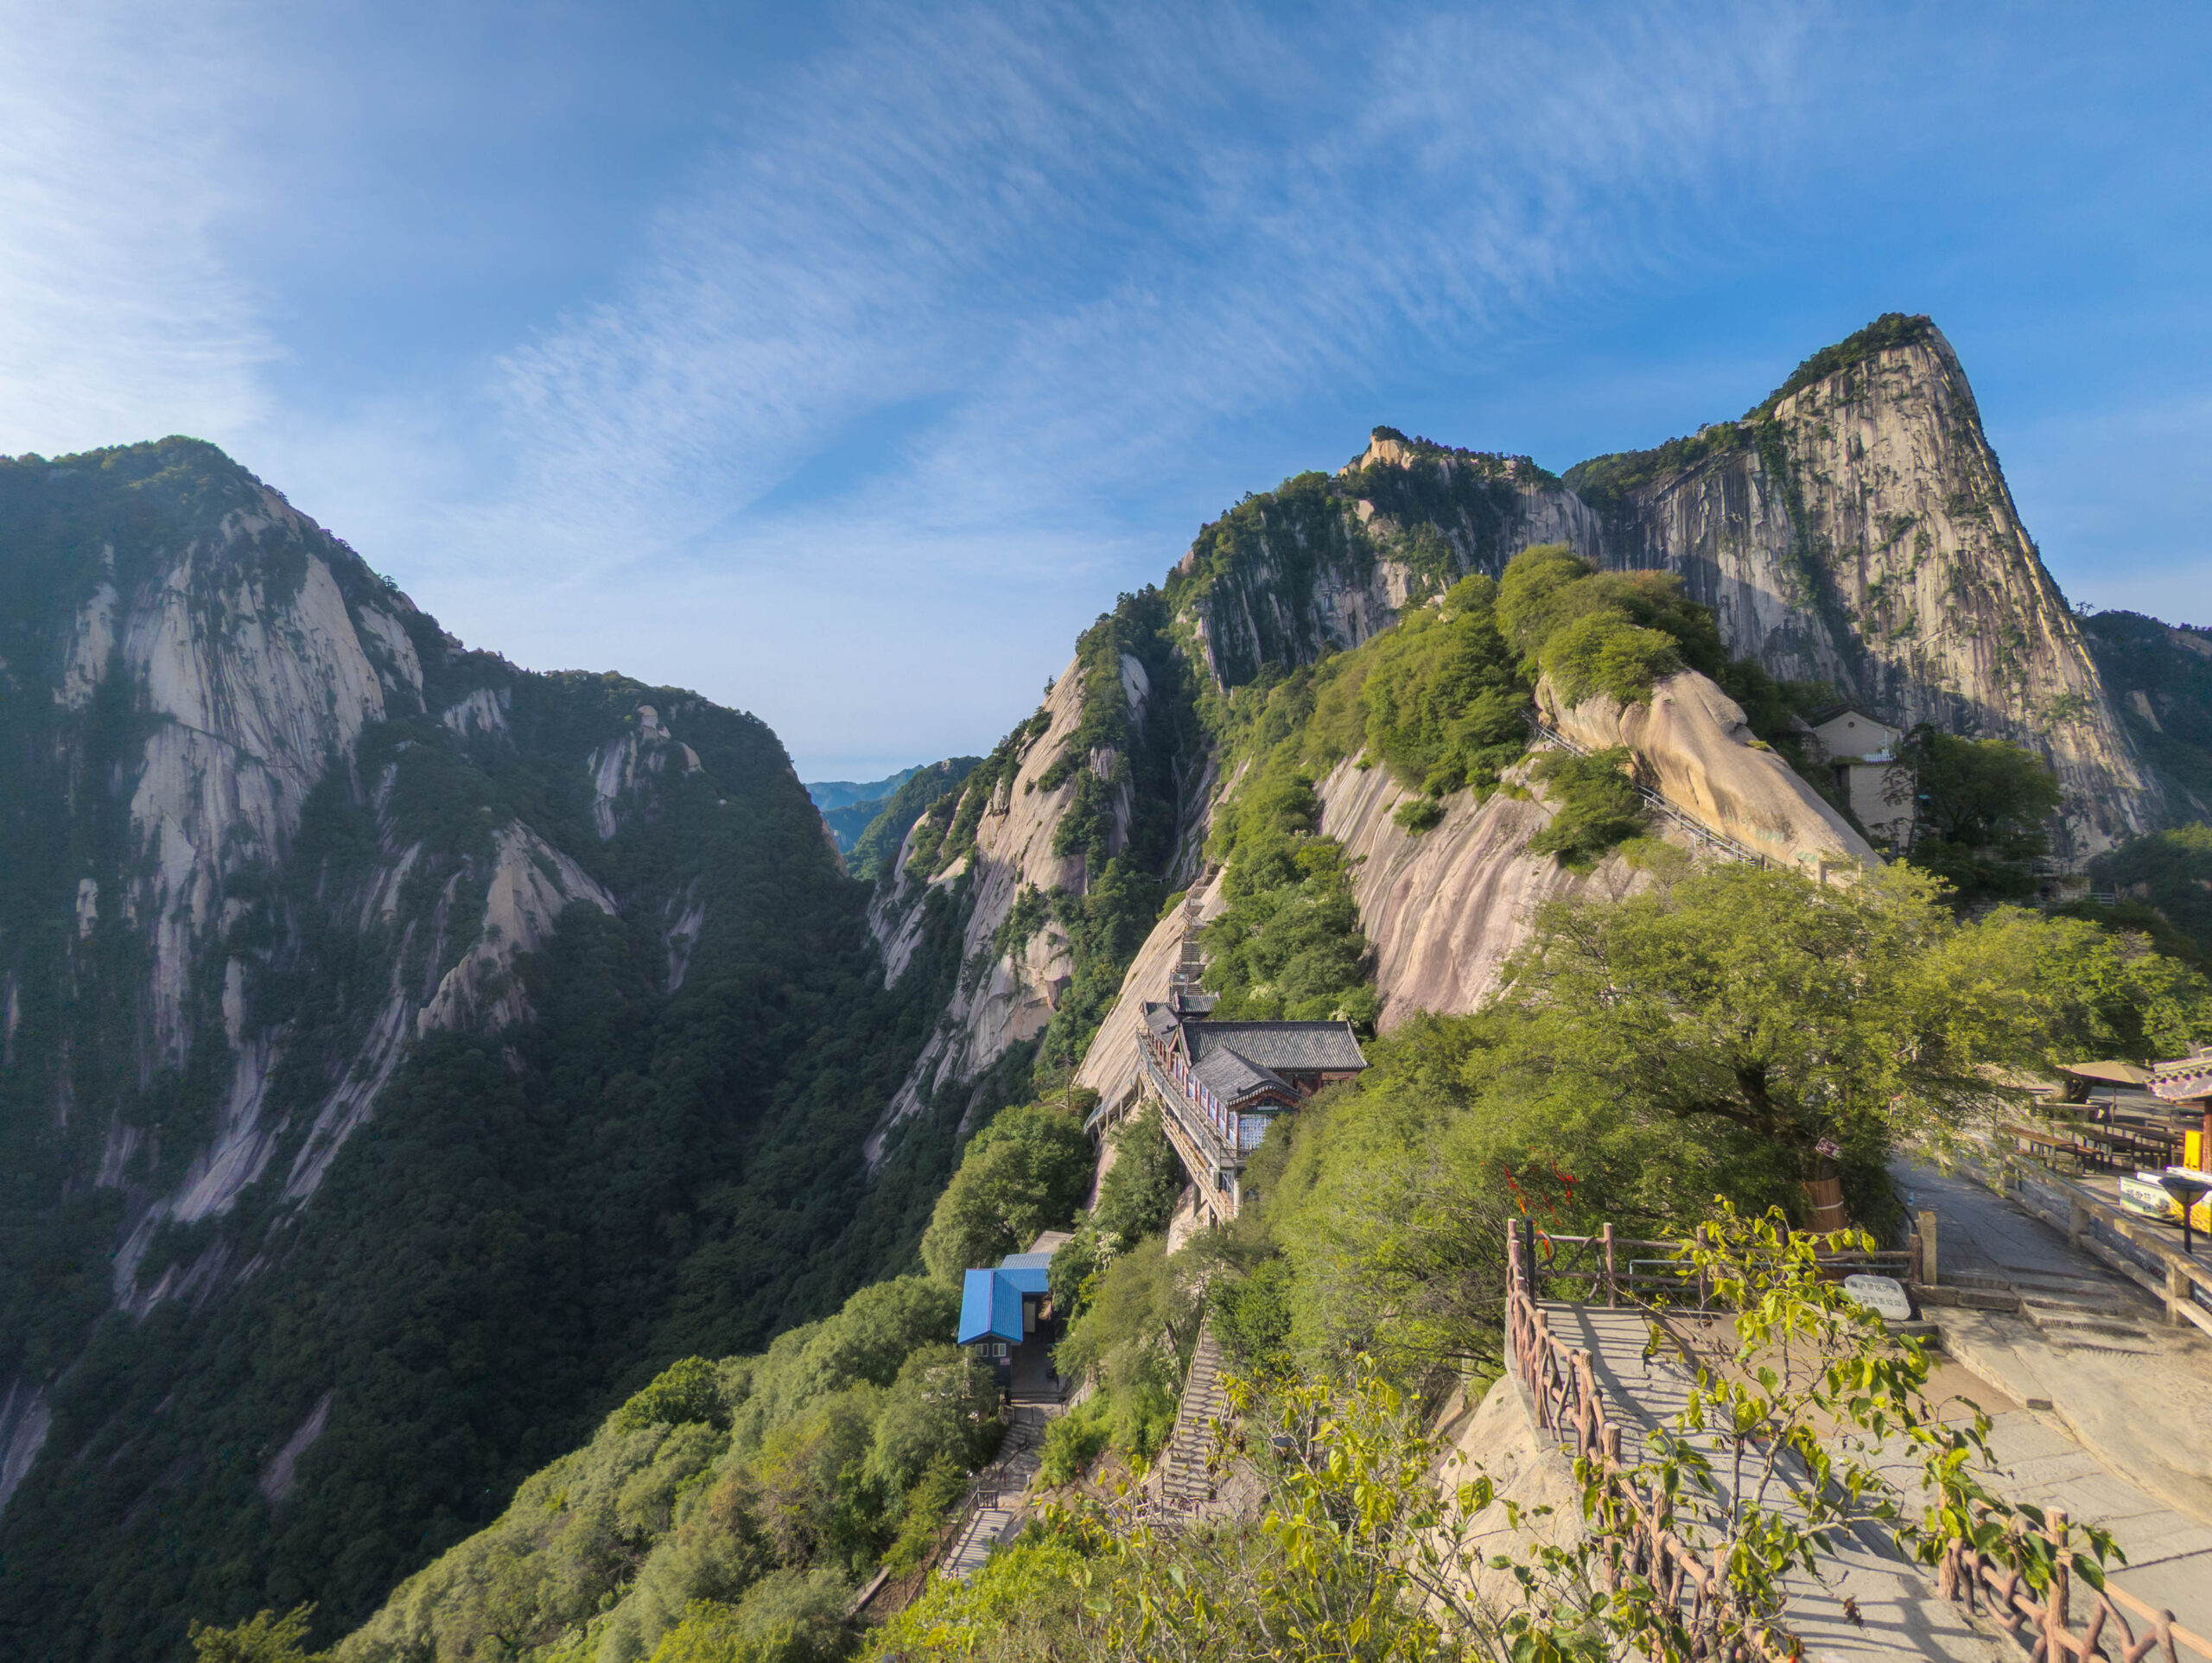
(1854, 529)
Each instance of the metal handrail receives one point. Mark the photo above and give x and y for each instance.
(1721, 842)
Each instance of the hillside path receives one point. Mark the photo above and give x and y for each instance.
(1899, 1612)
(2098, 1406)
(999, 1502)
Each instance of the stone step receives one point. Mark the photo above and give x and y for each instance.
(1970, 1298)
(2054, 1323)
(2099, 1303)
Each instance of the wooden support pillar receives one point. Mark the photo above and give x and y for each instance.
(1613, 1279)
(1927, 1261)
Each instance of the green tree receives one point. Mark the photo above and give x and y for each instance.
(1026, 1171)
(1981, 809)
(1139, 1190)
(263, 1638)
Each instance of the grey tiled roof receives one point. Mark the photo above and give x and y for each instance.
(1293, 1047)
(1233, 1078)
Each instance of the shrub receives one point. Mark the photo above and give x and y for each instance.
(1594, 806)
(1075, 1439)
(1419, 815)
(684, 1392)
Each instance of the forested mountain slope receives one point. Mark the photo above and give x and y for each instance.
(1853, 535)
(404, 1056)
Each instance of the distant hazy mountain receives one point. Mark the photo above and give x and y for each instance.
(830, 794)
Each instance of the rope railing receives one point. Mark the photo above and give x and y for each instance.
(1569, 1403)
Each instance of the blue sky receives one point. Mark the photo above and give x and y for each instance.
(843, 362)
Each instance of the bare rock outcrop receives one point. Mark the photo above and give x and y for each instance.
(1865, 536)
(1004, 998)
(1444, 909)
(1692, 744)
(531, 884)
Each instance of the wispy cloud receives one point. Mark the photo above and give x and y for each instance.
(1090, 238)
(949, 321)
(119, 316)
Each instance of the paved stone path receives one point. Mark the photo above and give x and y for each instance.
(1899, 1611)
(2111, 1420)
(1001, 1491)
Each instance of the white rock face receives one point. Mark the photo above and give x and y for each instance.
(1014, 999)
(1110, 1067)
(1905, 579)
(532, 882)
(89, 645)
(278, 1477)
(1444, 910)
(253, 710)
(484, 711)
(25, 1419)
(618, 769)
(1692, 744)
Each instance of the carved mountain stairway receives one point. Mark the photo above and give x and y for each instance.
(1183, 1480)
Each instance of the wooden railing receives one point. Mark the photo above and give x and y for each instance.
(1569, 1404)
(2136, 1248)
(2045, 1628)
(1563, 1386)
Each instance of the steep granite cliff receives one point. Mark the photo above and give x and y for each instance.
(1856, 528)
(1853, 528)
(404, 1055)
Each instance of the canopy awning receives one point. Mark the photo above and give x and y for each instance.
(2116, 1073)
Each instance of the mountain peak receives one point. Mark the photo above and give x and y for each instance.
(1888, 333)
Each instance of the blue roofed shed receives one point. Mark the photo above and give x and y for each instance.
(1006, 1312)
(990, 1308)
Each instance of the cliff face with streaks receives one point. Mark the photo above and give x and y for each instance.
(1856, 528)
(356, 988)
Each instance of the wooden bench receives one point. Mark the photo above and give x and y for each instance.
(2050, 1145)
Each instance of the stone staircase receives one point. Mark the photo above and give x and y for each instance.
(1191, 963)
(2074, 1312)
(999, 1499)
(1181, 1481)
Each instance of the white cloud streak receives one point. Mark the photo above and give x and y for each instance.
(1093, 238)
(119, 318)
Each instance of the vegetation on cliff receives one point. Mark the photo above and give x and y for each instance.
(2158, 677)
(874, 848)
(530, 1224)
